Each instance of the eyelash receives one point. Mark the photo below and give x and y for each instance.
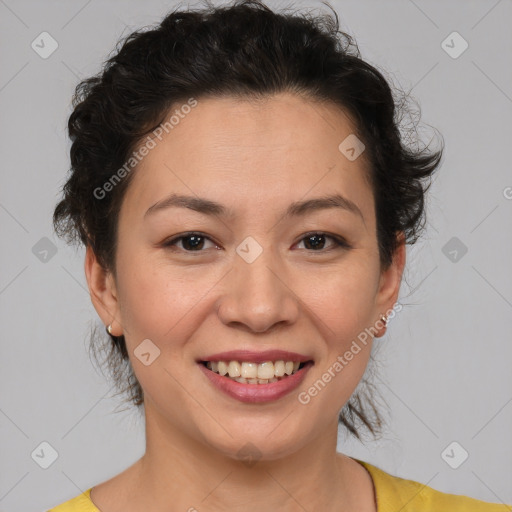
(339, 242)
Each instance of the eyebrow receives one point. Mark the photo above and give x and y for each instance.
(298, 208)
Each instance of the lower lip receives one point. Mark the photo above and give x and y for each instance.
(252, 393)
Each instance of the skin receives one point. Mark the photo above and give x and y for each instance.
(256, 159)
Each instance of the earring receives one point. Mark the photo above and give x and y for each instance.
(384, 319)
(109, 329)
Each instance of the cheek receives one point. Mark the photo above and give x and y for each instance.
(155, 299)
(343, 300)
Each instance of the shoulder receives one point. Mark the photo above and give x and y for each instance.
(394, 493)
(80, 503)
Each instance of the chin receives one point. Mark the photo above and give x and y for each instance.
(252, 441)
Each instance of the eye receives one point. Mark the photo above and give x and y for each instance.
(316, 242)
(195, 242)
(191, 242)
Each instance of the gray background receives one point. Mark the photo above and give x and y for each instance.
(446, 357)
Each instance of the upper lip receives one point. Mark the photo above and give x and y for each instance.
(256, 357)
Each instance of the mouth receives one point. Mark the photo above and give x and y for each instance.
(245, 372)
(252, 382)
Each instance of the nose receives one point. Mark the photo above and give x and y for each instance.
(258, 296)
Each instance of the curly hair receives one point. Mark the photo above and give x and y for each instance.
(243, 50)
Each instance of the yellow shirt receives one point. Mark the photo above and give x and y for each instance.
(394, 494)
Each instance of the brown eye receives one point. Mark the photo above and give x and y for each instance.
(316, 242)
(191, 242)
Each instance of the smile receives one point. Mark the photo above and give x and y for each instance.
(253, 373)
(255, 382)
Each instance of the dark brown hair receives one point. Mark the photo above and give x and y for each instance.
(239, 50)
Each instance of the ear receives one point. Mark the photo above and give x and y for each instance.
(389, 286)
(103, 292)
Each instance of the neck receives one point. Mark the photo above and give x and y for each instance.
(181, 471)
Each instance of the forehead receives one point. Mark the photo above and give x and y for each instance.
(245, 152)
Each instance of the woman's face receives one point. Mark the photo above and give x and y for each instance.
(258, 279)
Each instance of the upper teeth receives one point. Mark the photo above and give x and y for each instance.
(266, 370)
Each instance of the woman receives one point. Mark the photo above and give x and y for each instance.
(240, 183)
